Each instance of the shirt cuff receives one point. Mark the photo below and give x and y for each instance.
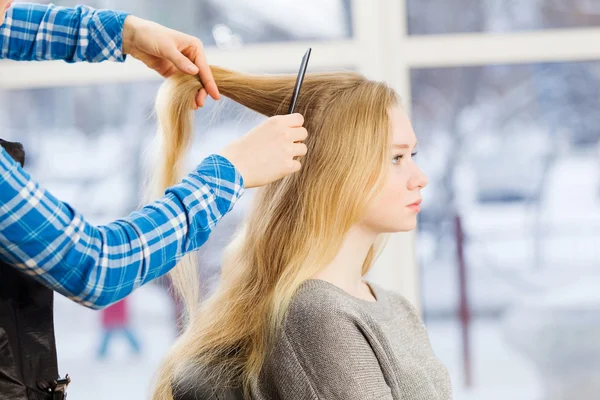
(106, 32)
(225, 179)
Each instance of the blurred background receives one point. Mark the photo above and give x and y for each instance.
(504, 96)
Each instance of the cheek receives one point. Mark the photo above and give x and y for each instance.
(388, 212)
(395, 193)
(390, 199)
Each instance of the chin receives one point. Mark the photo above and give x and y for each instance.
(403, 223)
(401, 226)
(406, 228)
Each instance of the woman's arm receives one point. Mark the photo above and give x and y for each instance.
(99, 265)
(35, 32)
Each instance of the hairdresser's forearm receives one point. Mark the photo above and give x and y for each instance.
(35, 32)
(97, 266)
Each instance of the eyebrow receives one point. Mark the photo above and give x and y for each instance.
(403, 146)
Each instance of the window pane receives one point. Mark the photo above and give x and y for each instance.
(511, 152)
(230, 24)
(455, 16)
(88, 145)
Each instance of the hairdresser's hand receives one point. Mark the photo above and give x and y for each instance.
(167, 51)
(267, 152)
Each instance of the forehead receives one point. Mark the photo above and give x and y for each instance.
(402, 130)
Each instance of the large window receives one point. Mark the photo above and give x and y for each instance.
(512, 151)
(233, 23)
(506, 114)
(458, 16)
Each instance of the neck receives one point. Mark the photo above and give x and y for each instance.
(345, 271)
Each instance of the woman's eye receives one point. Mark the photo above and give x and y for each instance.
(398, 157)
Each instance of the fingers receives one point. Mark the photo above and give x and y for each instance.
(204, 71)
(192, 60)
(299, 149)
(200, 98)
(182, 62)
(166, 72)
(206, 76)
(298, 134)
(295, 166)
(294, 120)
(290, 125)
(165, 49)
(275, 141)
(289, 120)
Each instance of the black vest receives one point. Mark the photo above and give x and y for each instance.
(28, 363)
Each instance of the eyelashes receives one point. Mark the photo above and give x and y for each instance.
(398, 157)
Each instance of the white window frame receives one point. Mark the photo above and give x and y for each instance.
(380, 48)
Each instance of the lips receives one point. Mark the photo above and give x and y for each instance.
(416, 203)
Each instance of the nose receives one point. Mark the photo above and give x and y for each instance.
(418, 179)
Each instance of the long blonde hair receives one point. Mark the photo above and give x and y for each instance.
(296, 225)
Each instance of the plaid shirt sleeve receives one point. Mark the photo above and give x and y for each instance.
(35, 32)
(99, 265)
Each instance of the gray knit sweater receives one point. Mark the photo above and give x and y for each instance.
(336, 346)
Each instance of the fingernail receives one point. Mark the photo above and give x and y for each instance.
(192, 68)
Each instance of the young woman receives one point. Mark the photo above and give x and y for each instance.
(292, 317)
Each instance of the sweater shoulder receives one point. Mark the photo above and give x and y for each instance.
(321, 301)
(321, 311)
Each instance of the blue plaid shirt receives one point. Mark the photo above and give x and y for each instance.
(35, 32)
(45, 237)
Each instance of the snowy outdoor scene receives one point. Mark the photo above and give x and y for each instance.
(508, 243)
